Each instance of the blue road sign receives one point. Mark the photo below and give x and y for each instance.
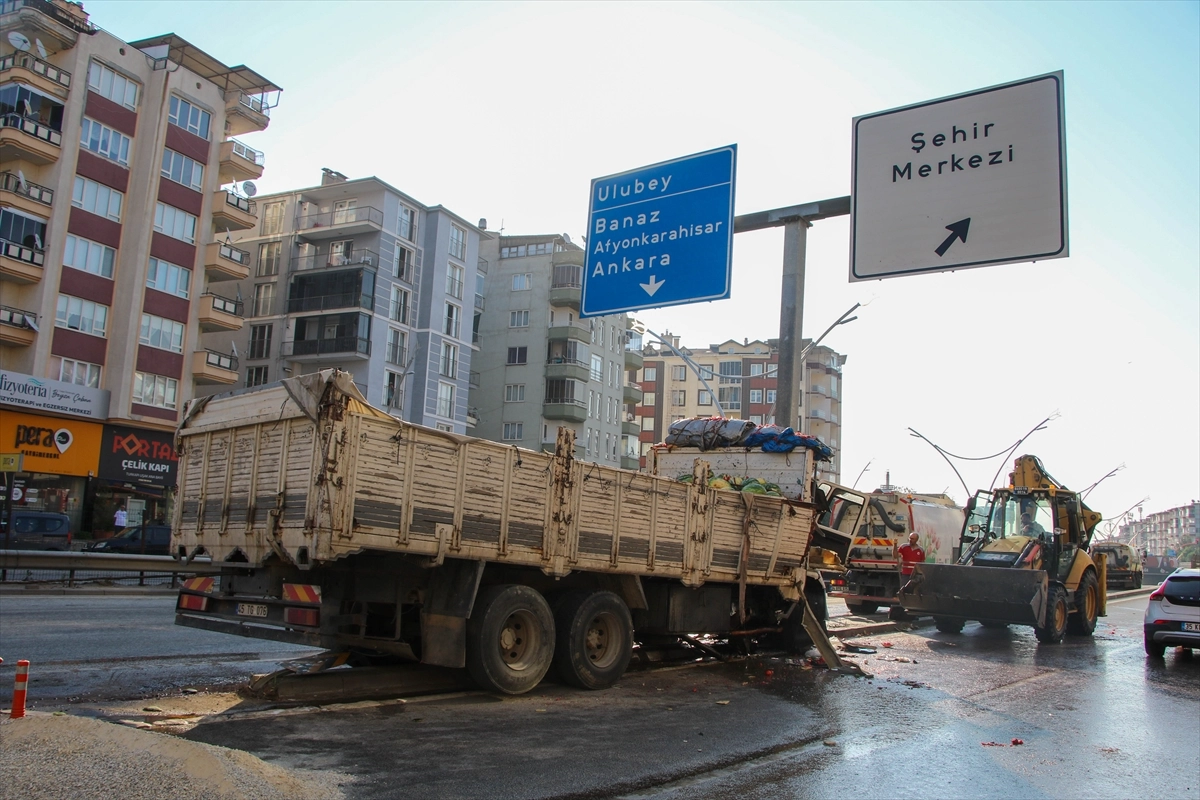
(661, 235)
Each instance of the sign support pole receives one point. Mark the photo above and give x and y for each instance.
(789, 397)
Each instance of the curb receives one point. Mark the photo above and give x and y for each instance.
(875, 628)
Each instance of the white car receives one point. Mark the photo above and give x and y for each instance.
(1173, 614)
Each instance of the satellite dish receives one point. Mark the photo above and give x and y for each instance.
(249, 189)
(41, 48)
(566, 238)
(19, 40)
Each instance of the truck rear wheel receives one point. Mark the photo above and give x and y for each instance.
(859, 609)
(510, 639)
(949, 624)
(594, 639)
(1056, 617)
(1087, 606)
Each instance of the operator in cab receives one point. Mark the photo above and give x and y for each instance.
(1030, 526)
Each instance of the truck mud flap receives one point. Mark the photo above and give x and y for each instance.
(1014, 596)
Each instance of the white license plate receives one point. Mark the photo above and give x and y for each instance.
(1193, 627)
(251, 610)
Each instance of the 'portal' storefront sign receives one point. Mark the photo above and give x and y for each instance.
(140, 456)
(40, 394)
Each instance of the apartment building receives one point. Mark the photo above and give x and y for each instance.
(1164, 533)
(358, 275)
(111, 221)
(738, 380)
(539, 366)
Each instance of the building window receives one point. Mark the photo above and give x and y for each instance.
(756, 369)
(679, 397)
(396, 348)
(408, 223)
(597, 368)
(260, 341)
(452, 320)
(730, 371)
(649, 399)
(81, 315)
(269, 254)
(183, 170)
(514, 431)
(770, 395)
(272, 222)
(756, 419)
(564, 390)
(706, 371)
(175, 222)
(522, 281)
(730, 397)
(518, 319)
(650, 374)
(184, 115)
(679, 373)
(97, 198)
(166, 334)
(756, 396)
(402, 269)
(517, 355)
(89, 256)
(113, 86)
(166, 277)
(454, 281)
(449, 360)
(445, 400)
(104, 141)
(264, 299)
(345, 211)
(256, 376)
(79, 372)
(155, 390)
(393, 393)
(458, 243)
(704, 398)
(514, 393)
(399, 310)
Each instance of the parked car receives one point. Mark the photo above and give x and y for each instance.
(37, 530)
(1124, 565)
(1173, 614)
(150, 540)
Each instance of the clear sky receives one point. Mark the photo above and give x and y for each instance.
(508, 110)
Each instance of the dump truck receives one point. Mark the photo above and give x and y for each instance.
(334, 524)
(1124, 564)
(1024, 561)
(878, 523)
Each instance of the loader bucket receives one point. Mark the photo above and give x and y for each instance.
(1000, 594)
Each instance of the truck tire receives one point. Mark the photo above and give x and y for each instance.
(593, 639)
(1056, 617)
(949, 624)
(1087, 606)
(860, 609)
(1137, 581)
(510, 639)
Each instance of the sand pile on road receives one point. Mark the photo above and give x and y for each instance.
(46, 756)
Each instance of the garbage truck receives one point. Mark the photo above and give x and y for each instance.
(331, 523)
(1024, 561)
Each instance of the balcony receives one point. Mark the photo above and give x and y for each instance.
(633, 359)
(17, 326)
(562, 367)
(218, 313)
(329, 302)
(566, 410)
(224, 262)
(233, 213)
(632, 393)
(238, 162)
(20, 263)
(630, 426)
(472, 417)
(360, 257)
(246, 113)
(24, 195)
(338, 348)
(473, 380)
(33, 71)
(631, 462)
(340, 223)
(58, 26)
(211, 367)
(577, 333)
(23, 139)
(566, 283)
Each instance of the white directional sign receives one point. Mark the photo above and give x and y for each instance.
(966, 181)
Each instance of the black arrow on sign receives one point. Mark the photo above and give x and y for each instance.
(958, 230)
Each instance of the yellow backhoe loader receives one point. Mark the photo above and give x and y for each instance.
(1024, 561)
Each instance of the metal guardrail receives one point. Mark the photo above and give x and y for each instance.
(120, 562)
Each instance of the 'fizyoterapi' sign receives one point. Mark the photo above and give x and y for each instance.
(39, 394)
